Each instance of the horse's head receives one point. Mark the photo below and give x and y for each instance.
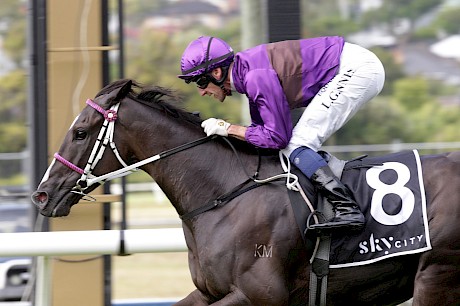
(79, 159)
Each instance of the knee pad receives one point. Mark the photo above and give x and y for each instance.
(307, 160)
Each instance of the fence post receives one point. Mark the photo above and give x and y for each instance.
(43, 278)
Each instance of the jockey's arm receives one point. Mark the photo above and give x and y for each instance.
(237, 131)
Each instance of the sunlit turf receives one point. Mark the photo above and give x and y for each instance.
(160, 275)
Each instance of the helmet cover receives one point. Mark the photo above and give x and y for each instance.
(204, 54)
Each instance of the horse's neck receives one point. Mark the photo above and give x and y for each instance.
(193, 178)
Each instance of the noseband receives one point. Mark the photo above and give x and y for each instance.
(104, 138)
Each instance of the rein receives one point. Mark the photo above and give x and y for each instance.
(105, 138)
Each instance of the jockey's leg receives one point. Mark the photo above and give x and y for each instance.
(359, 79)
(313, 165)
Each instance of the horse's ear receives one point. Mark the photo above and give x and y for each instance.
(119, 94)
(123, 91)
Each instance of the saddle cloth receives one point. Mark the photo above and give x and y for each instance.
(389, 190)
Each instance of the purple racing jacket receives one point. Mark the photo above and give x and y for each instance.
(281, 76)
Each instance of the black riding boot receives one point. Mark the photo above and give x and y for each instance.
(347, 213)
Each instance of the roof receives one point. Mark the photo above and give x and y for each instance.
(448, 47)
(372, 38)
(418, 60)
(188, 8)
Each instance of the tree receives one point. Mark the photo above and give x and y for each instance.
(318, 23)
(13, 138)
(393, 70)
(448, 21)
(392, 11)
(15, 41)
(331, 25)
(11, 10)
(13, 113)
(152, 57)
(412, 93)
(378, 122)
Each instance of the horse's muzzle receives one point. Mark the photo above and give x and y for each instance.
(40, 199)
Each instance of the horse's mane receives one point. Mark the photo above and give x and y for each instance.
(169, 102)
(157, 97)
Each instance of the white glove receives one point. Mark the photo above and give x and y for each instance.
(213, 126)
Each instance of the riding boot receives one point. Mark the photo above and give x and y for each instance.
(347, 212)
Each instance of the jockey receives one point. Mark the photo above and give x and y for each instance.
(327, 76)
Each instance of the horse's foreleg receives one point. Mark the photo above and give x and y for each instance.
(234, 298)
(195, 298)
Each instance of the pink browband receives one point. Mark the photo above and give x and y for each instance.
(109, 115)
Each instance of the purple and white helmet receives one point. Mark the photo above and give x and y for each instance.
(204, 54)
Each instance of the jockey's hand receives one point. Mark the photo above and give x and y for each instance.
(213, 126)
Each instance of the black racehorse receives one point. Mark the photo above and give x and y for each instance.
(223, 243)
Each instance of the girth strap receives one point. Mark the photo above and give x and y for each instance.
(222, 200)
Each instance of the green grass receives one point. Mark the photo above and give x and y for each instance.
(144, 206)
(151, 275)
(161, 275)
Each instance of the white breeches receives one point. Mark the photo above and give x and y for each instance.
(360, 78)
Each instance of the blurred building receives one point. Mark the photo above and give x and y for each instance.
(437, 59)
(183, 14)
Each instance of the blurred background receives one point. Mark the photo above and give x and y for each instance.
(418, 42)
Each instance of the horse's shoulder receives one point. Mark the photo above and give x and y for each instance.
(440, 163)
(454, 157)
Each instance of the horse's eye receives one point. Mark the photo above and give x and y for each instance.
(80, 134)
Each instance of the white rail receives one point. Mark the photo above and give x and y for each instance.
(91, 242)
(48, 244)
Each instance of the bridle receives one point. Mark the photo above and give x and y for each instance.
(105, 138)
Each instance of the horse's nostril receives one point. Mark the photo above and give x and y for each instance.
(40, 198)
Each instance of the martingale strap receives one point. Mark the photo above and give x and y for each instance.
(236, 191)
(222, 200)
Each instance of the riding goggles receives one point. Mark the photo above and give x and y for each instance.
(202, 81)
